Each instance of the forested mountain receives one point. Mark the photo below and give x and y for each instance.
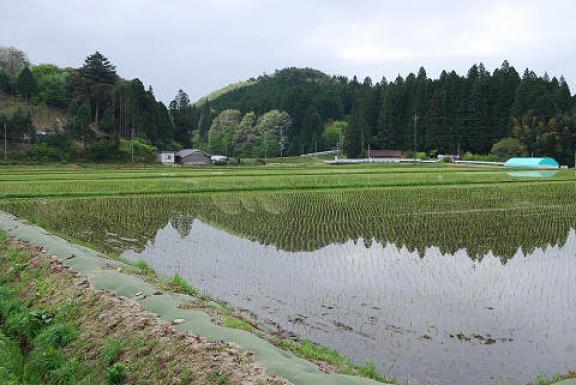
(293, 111)
(452, 114)
(100, 110)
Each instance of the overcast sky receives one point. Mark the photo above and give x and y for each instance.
(200, 46)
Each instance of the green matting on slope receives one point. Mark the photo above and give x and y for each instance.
(90, 264)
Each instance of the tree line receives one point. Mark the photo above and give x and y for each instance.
(103, 111)
(293, 111)
(499, 112)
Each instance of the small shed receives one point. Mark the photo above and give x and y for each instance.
(192, 157)
(385, 154)
(534, 163)
(219, 159)
(165, 157)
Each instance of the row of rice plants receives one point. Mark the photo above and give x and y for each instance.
(216, 183)
(500, 218)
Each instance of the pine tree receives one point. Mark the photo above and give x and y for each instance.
(352, 136)
(98, 69)
(181, 114)
(312, 128)
(82, 120)
(26, 84)
(5, 83)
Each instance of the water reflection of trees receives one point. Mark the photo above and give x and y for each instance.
(499, 219)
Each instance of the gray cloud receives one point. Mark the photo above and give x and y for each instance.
(200, 46)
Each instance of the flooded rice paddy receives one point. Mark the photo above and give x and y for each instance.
(443, 285)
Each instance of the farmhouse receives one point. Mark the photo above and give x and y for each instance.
(538, 163)
(192, 157)
(385, 153)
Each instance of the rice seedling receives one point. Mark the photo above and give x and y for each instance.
(491, 218)
(179, 284)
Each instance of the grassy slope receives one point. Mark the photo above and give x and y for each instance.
(223, 91)
(43, 117)
(99, 338)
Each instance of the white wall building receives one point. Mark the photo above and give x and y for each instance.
(165, 157)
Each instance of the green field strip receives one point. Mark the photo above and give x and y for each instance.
(311, 187)
(223, 173)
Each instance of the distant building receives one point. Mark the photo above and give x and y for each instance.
(166, 157)
(538, 163)
(219, 159)
(192, 157)
(385, 153)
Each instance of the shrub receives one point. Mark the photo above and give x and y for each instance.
(116, 374)
(143, 152)
(25, 324)
(479, 157)
(66, 374)
(45, 152)
(11, 359)
(508, 148)
(42, 361)
(105, 149)
(8, 304)
(421, 155)
(55, 335)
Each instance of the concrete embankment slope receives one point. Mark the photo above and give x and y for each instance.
(94, 267)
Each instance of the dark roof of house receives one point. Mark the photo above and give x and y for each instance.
(188, 151)
(386, 153)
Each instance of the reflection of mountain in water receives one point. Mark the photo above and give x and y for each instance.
(391, 306)
(501, 219)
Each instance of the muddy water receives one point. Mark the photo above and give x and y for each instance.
(430, 316)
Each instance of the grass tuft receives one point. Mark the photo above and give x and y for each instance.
(56, 335)
(116, 374)
(144, 267)
(111, 351)
(178, 283)
(234, 323)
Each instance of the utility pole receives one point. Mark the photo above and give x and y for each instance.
(281, 144)
(132, 144)
(341, 144)
(265, 148)
(415, 125)
(5, 143)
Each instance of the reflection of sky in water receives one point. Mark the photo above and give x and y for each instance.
(390, 306)
(532, 174)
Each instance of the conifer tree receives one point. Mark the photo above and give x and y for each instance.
(26, 84)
